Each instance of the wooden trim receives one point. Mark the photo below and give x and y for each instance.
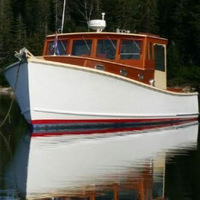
(109, 33)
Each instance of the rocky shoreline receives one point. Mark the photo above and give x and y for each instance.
(6, 91)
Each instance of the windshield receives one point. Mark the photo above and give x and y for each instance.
(106, 48)
(81, 47)
(57, 48)
(130, 49)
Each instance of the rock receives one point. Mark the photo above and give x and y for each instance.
(6, 91)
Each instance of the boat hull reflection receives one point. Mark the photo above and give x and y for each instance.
(67, 166)
(104, 127)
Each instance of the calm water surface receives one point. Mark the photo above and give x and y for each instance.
(155, 164)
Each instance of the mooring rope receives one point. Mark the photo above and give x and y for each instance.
(8, 112)
(13, 98)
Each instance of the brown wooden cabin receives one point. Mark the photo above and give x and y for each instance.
(141, 57)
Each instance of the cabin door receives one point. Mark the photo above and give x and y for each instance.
(160, 75)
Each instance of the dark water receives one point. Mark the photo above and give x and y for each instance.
(155, 164)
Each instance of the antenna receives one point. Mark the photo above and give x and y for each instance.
(63, 16)
(103, 15)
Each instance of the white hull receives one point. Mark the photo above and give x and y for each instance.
(54, 91)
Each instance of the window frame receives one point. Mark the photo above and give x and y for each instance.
(160, 68)
(81, 39)
(133, 39)
(59, 40)
(116, 48)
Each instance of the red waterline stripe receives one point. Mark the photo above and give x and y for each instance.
(47, 134)
(55, 121)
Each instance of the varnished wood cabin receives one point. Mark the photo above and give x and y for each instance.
(141, 57)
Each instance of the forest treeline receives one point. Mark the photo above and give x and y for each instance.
(25, 23)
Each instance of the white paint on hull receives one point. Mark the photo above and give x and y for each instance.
(62, 91)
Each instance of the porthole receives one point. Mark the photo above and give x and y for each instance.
(123, 72)
(99, 67)
(141, 76)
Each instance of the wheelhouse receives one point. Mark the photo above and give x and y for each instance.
(141, 57)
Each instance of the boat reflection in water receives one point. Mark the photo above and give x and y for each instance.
(127, 165)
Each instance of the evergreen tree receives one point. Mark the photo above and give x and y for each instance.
(165, 19)
(20, 34)
(146, 16)
(5, 31)
(179, 33)
(193, 16)
(38, 28)
(32, 16)
(2, 52)
(110, 8)
(127, 11)
(29, 21)
(173, 60)
(5, 17)
(44, 15)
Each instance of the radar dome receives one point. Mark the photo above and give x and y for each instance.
(97, 24)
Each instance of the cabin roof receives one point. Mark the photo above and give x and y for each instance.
(110, 33)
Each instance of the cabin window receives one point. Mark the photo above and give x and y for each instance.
(106, 49)
(130, 49)
(57, 48)
(81, 47)
(159, 54)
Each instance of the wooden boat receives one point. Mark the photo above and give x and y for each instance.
(99, 78)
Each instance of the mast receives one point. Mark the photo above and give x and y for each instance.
(56, 17)
(63, 16)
